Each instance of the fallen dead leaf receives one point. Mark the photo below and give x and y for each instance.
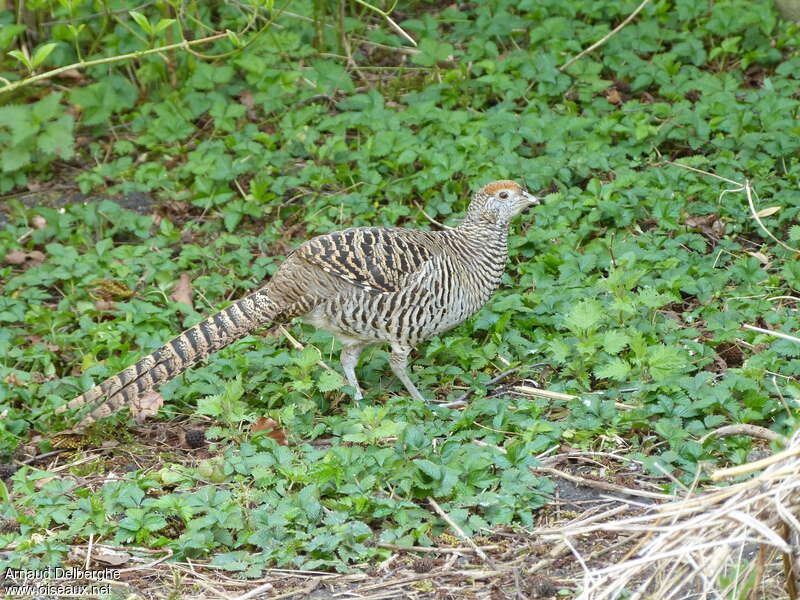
(115, 558)
(612, 95)
(16, 257)
(146, 405)
(39, 222)
(12, 379)
(247, 99)
(104, 305)
(278, 433)
(35, 258)
(183, 290)
(708, 224)
(762, 258)
(765, 212)
(74, 74)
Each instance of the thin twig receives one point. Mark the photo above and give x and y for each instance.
(755, 465)
(108, 59)
(744, 429)
(602, 485)
(460, 532)
(741, 187)
(430, 218)
(492, 381)
(603, 40)
(298, 346)
(778, 334)
(749, 191)
(433, 549)
(385, 15)
(702, 172)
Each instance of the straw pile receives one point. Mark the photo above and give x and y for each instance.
(719, 544)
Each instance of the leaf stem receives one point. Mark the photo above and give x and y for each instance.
(109, 59)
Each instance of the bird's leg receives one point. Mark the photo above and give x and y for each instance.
(351, 350)
(398, 360)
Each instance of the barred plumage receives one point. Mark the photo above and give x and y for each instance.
(366, 285)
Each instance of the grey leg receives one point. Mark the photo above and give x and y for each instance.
(351, 350)
(398, 360)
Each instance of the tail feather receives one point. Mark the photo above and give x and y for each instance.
(196, 343)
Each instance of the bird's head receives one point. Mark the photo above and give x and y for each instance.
(499, 202)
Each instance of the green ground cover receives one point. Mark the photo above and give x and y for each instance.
(635, 274)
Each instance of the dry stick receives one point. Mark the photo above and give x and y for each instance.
(89, 552)
(756, 465)
(602, 485)
(432, 549)
(749, 191)
(385, 15)
(550, 395)
(492, 381)
(109, 59)
(460, 533)
(298, 346)
(603, 40)
(779, 334)
(150, 565)
(744, 429)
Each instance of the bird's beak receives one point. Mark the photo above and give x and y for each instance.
(532, 200)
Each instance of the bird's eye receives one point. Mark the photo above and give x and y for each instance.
(504, 195)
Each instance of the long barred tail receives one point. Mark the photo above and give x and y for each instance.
(196, 343)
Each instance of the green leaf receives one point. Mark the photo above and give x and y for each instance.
(8, 32)
(432, 51)
(48, 107)
(234, 38)
(331, 76)
(141, 20)
(584, 316)
(329, 381)
(21, 57)
(56, 139)
(308, 358)
(13, 159)
(615, 340)
(162, 25)
(41, 54)
(618, 370)
(665, 361)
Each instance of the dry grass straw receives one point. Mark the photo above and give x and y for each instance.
(717, 544)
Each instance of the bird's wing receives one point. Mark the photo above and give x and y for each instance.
(374, 258)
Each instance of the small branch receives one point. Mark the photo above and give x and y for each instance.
(432, 549)
(461, 400)
(532, 391)
(744, 429)
(603, 40)
(460, 533)
(298, 346)
(266, 587)
(741, 187)
(385, 15)
(602, 485)
(430, 218)
(709, 174)
(778, 334)
(756, 465)
(109, 59)
(749, 191)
